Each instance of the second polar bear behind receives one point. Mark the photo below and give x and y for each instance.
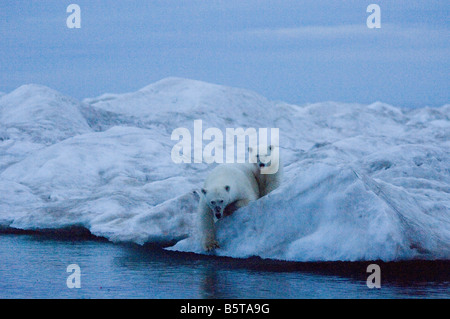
(266, 166)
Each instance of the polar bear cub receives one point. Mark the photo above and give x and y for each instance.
(226, 188)
(267, 167)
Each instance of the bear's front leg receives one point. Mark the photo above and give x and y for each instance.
(207, 227)
(211, 245)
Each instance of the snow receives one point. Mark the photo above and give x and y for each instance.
(41, 114)
(361, 182)
(34, 116)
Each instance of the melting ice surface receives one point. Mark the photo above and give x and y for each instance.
(361, 182)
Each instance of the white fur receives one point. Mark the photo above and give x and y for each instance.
(269, 176)
(232, 185)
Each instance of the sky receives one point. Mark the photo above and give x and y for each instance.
(294, 51)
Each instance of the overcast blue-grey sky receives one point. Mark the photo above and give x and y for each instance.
(295, 51)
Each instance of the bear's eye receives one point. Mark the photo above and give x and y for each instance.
(213, 202)
(221, 201)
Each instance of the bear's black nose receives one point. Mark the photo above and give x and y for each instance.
(261, 165)
(218, 215)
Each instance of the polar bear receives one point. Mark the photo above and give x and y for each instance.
(266, 166)
(226, 188)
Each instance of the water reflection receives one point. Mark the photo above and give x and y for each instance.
(35, 267)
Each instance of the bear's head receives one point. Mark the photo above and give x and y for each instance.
(217, 199)
(265, 157)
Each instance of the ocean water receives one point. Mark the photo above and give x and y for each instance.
(35, 266)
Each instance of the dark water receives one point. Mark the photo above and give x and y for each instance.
(34, 266)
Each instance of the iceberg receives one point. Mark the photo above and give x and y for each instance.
(361, 182)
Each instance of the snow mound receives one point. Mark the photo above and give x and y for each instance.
(34, 116)
(176, 102)
(361, 182)
(101, 181)
(41, 114)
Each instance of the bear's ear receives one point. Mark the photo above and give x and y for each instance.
(203, 191)
(227, 188)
